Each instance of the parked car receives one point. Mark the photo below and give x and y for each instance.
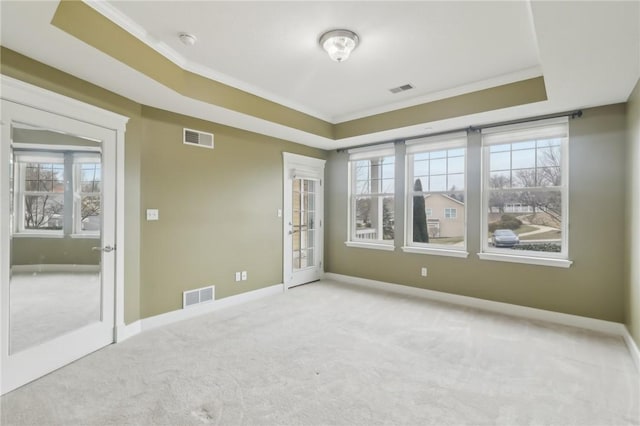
(504, 238)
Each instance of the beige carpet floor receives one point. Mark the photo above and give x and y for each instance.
(336, 354)
(46, 305)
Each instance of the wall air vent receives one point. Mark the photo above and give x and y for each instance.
(194, 137)
(198, 296)
(402, 88)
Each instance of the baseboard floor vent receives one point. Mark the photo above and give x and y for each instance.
(198, 296)
(196, 138)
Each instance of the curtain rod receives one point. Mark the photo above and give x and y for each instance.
(570, 114)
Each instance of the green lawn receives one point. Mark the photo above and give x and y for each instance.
(549, 235)
(525, 228)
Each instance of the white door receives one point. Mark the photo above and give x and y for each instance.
(58, 240)
(303, 219)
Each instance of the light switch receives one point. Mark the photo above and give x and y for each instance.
(153, 214)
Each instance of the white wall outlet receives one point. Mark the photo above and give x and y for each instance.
(238, 277)
(153, 214)
(244, 275)
(279, 213)
(423, 272)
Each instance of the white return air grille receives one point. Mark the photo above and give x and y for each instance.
(198, 296)
(196, 138)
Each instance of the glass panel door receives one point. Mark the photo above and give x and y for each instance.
(303, 215)
(304, 223)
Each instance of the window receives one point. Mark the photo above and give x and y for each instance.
(43, 200)
(525, 189)
(40, 192)
(435, 206)
(371, 217)
(450, 213)
(88, 180)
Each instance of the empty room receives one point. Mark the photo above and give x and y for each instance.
(320, 212)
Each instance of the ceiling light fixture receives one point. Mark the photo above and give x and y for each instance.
(339, 43)
(187, 39)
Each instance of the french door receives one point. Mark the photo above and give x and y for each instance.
(58, 218)
(303, 219)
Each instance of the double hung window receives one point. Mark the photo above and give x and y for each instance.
(56, 193)
(525, 197)
(436, 201)
(372, 189)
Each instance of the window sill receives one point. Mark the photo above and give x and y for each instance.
(36, 235)
(374, 246)
(543, 261)
(436, 251)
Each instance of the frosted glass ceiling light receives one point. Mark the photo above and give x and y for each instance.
(339, 43)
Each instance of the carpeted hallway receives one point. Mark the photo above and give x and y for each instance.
(335, 354)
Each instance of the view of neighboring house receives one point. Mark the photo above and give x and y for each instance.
(445, 216)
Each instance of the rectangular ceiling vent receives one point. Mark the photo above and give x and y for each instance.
(198, 296)
(402, 88)
(194, 137)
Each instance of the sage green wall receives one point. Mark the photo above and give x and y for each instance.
(217, 207)
(218, 210)
(632, 307)
(592, 287)
(54, 251)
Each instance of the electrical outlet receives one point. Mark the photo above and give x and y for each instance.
(238, 277)
(423, 272)
(244, 275)
(153, 214)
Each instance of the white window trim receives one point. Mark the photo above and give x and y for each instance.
(20, 193)
(432, 143)
(55, 155)
(528, 259)
(433, 249)
(373, 246)
(38, 234)
(519, 133)
(365, 153)
(78, 160)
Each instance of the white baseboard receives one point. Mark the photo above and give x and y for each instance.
(125, 331)
(602, 326)
(633, 348)
(55, 268)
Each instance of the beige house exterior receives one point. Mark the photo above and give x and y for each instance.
(445, 216)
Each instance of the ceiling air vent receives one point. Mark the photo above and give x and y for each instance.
(193, 137)
(402, 88)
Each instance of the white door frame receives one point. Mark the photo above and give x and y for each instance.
(24, 94)
(310, 168)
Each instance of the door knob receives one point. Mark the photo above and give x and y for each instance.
(106, 249)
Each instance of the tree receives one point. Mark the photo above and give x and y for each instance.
(420, 232)
(39, 210)
(498, 199)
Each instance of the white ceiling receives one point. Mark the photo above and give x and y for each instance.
(588, 53)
